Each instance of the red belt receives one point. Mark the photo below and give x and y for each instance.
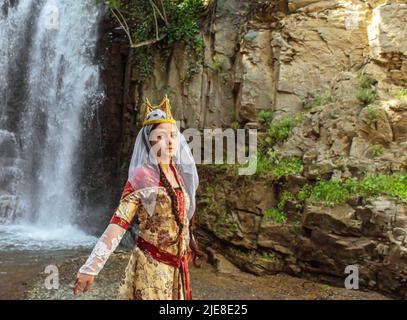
(171, 260)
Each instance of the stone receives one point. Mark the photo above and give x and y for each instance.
(339, 219)
(221, 264)
(279, 237)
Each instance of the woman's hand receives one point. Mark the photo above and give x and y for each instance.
(82, 282)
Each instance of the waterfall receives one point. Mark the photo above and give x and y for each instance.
(49, 82)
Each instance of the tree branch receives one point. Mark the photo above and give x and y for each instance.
(123, 25)
(148, 42)
(159, 12)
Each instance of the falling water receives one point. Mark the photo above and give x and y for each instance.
(48, 83)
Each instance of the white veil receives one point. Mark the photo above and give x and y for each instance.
(144, 172)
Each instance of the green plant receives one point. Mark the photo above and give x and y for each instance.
(374, 184)
(367, 92)
(235, 125)
(303, 194)
(280, 130)
(286, 166)
(270, 164)
(217, 64)
(402, 94)
(275, 214)
(375, 150)
(284, 198)
(159, 24)
(209, 199)
(334, 192)
(265, 116)
(371, 115)
(330, 192)
(366, 96)
(320, 100)
(366, 81)
(268, 255)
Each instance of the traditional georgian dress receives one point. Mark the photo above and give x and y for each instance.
(155, 270)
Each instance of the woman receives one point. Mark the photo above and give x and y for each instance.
(160, 192)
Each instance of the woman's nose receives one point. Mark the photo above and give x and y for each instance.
(169, 141)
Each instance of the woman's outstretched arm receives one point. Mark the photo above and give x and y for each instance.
(109, 240)
(105, 246)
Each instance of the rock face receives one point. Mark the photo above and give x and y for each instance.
(277, 54)
(319, 243)
(269, 55)
(273, 55)
(288, 57)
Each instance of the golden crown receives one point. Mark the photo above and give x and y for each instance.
(164, 106)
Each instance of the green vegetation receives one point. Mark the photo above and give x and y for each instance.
(402, 94)
(287, 166)
(320, 100)
(280, 130)
(366, 81)
(153, 26)
(217, 64)
(209, 199)
(270, 164)
(275, 215)
(334, 192)
(367, 92)
(376, 150)
(265, 117)
(268, 255)
(303, 194)
(330, 192)
(224, 223)
(235, 125)
(371, 115)
(284, 198)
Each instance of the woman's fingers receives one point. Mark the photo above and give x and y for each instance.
(82, 283)
(87, 287)
(79, 286)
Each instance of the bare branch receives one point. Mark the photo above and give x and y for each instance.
(164, 13)
(124, 20)
(159, 12)
(148, 42)
(156, 24)
(123, 25)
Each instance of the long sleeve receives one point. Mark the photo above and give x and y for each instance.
(114, 232)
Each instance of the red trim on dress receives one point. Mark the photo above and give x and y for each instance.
(121, 222)
(128, 188)
(169, 259)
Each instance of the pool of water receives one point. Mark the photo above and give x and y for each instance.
(33, 237)
(25, 251)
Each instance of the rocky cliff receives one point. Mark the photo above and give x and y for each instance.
(339, 65)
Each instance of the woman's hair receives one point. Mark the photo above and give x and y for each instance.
(174, 204)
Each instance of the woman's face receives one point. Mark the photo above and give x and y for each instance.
(164, 141)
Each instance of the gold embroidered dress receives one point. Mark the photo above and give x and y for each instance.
(146, 277)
